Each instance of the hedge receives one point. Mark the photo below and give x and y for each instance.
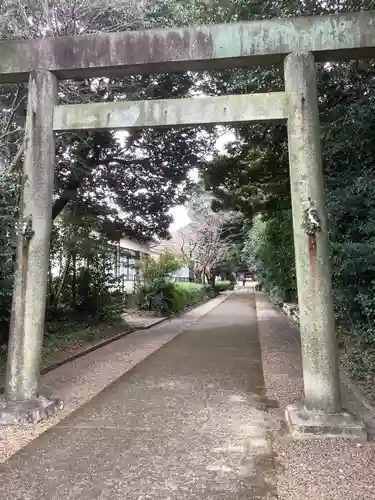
(168, 298)
(222, 286)
(173, 297)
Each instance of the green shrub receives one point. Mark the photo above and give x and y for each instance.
(269, 250)
(160, 269)
(187, 294)
(157, 291)
(233, 280)
(156, 296)
(96, 298)
(210, 291)
(222, 286)
(8, 214)
(168, 298)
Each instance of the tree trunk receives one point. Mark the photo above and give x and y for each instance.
(50, 285)
(74, 280)
(211, 277)
(63, 279)
(203, 276)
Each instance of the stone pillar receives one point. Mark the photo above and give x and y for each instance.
(30, 287)
(319, 348)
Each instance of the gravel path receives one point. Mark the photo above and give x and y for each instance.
(190, 423)
(79, 381)
(334, 469)
(307, 470)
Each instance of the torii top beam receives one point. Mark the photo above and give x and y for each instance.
(330, 38)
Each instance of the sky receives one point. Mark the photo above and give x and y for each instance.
(179, 213)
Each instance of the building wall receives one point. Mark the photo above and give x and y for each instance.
(135, 250)
(173, 246)
(134, 245)
(182, 274)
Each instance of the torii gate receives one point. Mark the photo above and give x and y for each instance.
(295, 42)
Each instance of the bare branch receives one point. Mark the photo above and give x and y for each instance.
(11, 132)
(92, 22)
(14, 109)
(15, 165)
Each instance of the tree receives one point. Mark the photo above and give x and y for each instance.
(144, 178)
(129, 189)
(268, 250)
(40, 19)
(82, 282)
(206, 241)
(8, 214)
(116, 187)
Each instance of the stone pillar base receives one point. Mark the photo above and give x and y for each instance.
(304, 424)
(28, 412)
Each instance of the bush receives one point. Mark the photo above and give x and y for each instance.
(168, 298)
(156, 296)
(269, 250)
(92, 296)
(161, 294)
(8, 214)
(161, 269)
(96, 298)
(187, 294)
(158, 292)
(222, 286)
(233, 280)
(210, 291)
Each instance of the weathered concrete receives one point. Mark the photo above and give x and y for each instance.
(336, 37)
(304, 424)
(25, 412)
(29, 293)
(319, 350)
(190, 422)
(171, 112)
(353, 398)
